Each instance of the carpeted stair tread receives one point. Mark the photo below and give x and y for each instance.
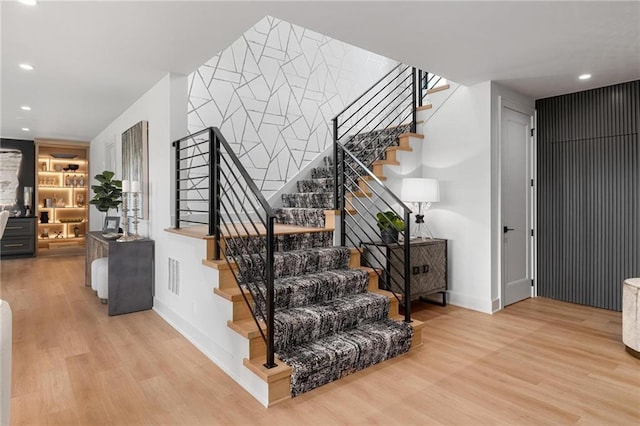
(321, 173)
(311, 217)
(296, 326)
(293, 292)
(332, 357)
(294, 262)
(315, 185)
(287, 242)
(318, 200)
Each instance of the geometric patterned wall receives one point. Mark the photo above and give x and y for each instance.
(273, 94)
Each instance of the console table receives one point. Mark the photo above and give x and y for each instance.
(131, 271)
(428, 265)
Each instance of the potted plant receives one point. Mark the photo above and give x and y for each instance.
(108, 194)
(390, 224)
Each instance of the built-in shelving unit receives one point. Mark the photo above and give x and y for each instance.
(62, 194)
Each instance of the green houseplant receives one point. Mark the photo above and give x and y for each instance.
(390, 224)
(108, 194)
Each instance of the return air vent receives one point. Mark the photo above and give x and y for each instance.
(174, 276)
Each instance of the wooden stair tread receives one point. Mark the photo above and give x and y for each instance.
(411, 135)
(424, 107)
(399, 148)
(367, 177)
(438, 89)
(269, 375)
(232, 294)
(196, 231)
(388, 162)
(246, 328)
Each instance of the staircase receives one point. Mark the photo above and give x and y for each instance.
(329, 316)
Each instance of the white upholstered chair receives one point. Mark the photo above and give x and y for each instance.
(5, 362)
(631, 315)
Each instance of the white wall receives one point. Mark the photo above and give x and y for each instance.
(457, 151)
(195, 311)
(273, 94)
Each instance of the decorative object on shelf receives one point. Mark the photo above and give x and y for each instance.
(59, 234)
(76, 231)
(48, 203)
(80, 199)
(135, 162)
(27, 196)
(43, 166)
(111, 225)
(132, 188)
(73, 167)
(390, 224)
(108, 194)
(44, 217)
(421, 191)
(58, 167)
(45, 233)
(71, 220)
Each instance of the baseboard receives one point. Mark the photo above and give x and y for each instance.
(495, 305)
(470, 302)
(212, 350)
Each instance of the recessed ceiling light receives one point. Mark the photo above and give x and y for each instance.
(585, 76)
(26, 67)
(29, 2)
(25, 108)
(25, 129)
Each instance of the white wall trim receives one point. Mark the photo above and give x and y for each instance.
(469, 302)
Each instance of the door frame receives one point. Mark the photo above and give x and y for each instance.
(505, 103)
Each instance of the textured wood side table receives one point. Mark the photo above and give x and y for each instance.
(131, 272)
(428, 265)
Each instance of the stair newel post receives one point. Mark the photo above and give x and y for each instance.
(336, 204)
(407, 267)
(214, 191)
(414, 111)
(270, 291)
(420, 87)
(176, 145)
(343, 200)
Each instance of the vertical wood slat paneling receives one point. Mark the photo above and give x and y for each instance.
(588, 162)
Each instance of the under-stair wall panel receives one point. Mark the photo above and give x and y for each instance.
(589, 194)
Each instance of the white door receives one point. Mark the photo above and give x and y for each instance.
(516, 206)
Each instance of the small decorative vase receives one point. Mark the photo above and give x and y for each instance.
(389, 235)
(76, 231)
(44, 217)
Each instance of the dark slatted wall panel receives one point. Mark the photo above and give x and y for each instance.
(589, 194)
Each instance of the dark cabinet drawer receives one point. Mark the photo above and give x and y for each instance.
(14, 245)
(18, 227)
(19, 237)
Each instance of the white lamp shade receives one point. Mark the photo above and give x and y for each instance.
(415, 190)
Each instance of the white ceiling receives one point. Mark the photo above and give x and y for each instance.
(94, 59)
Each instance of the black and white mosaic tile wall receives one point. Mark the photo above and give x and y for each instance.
(273, 94)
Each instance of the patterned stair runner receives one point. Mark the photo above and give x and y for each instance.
(327, 324)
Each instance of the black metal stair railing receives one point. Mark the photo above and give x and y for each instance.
(427, 81)
(365, 197)
(388, 103)
(213, 188)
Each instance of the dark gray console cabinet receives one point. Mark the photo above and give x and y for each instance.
(19, 237)
(131, 272)
(428, 265)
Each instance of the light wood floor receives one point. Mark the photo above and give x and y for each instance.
(537, 362)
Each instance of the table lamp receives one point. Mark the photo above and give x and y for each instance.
(421, 191)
